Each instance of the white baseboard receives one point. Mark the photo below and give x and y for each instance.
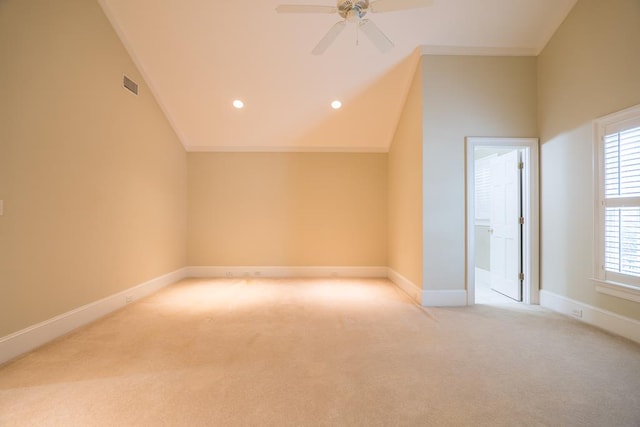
(284, 272)
(603, 319)
(444, 298)
(34, 336)
(406, 285)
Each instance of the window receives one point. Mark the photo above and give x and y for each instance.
(483, 190)
(618, 204)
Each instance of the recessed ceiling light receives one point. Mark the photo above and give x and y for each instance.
(336, 105)
(238, 104)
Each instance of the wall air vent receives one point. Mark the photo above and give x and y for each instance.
(130, 84)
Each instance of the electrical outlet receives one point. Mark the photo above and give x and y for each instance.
(229, 274)
(576, 313)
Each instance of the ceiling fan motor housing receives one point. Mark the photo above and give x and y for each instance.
(353, 9)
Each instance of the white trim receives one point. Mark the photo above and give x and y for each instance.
(619, 116)
(278, 272)
(531, 255)
(599, 132)
(440, 298)
(293, 149)
(12, 346)
(406, 285)
(603, 319)
(444, 298)
(477, 51)
(435, 298)
(619, 290)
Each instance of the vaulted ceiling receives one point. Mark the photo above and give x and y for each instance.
(198, 56)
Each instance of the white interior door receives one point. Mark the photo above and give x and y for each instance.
(505, 240)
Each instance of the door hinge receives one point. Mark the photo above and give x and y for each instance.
(521, 276)
(521, 220)
(521, 165)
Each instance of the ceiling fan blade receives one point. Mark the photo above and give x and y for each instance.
(377, 37)
(301, 8)
(329, 38)
(380, 6)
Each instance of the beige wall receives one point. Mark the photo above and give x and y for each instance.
(590, 68)
(93, 178)
(97, 198)
(405, 187)
(287, 209)
(464, 96)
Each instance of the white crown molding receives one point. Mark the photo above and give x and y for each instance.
(12, 346)
(603, 319)
(477, 51)
(297, 149)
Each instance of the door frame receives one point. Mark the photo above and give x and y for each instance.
(531, 209)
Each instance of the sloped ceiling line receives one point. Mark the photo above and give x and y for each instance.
(198, 56)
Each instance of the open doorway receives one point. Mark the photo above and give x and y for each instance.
(502, 220)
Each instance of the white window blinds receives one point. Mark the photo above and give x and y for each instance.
(622, 163)
(622, 201)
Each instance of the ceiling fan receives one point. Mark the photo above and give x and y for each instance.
(354, 11)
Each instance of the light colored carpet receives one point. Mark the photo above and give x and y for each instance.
(323, 352)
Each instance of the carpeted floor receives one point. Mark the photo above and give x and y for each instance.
(323, 352)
